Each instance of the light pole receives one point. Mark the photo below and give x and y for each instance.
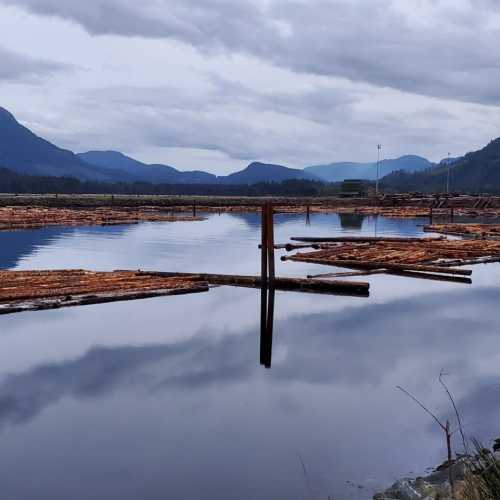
(448, 176)
(379, 147)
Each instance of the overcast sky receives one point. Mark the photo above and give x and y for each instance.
(215, 84)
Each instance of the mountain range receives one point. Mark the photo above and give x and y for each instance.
(476, 172)
(336, 172)
(24, 152)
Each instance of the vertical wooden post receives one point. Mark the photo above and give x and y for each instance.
(264, 246)
(194, 208)
(270, 243)
(430, 214)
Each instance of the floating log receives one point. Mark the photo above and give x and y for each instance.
(353, 288)
(471, 262)
(289, 246)
(345, 275)
(362, 239)
(358, 264)
(407, 274)
(39, 290)
(431, 276)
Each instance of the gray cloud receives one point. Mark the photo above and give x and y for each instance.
(17, 67)
(450, 55)
(228, 117)
(206, 24)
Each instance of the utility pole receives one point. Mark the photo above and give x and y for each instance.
(448, 176)
(379, 147)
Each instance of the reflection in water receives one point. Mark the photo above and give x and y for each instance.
(266, 325)
(351, 221)
(171, 402)
(17, 245)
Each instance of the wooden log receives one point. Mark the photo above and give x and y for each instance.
(355, 264)
(361, 239)
(430, 276)
(349, 274)
(286, 284)
(289, 246)
(471, 262)
(92, 299)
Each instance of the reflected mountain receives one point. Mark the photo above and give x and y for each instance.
(17, 245)
(345, 349)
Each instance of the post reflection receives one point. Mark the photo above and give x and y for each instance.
(266, 325)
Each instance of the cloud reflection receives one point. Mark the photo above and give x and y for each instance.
(348, 348)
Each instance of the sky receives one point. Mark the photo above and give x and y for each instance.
(217, 84)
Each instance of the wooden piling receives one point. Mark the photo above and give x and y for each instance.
(270, 243)
(263, 246)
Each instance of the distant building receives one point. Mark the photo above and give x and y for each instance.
(353, 188)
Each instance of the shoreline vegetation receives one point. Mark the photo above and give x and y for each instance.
(476, 477)
(473, 474)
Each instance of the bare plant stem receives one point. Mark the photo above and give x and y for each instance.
(446, 429)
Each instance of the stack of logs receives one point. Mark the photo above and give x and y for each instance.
(38, 290)
(12, 218)
(485, 231)
(411, 256)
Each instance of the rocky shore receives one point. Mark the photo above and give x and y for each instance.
(432, 487)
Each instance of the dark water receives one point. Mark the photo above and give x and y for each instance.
(166, 399)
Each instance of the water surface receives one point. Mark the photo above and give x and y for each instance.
(165, 398)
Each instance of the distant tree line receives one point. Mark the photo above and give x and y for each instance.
(12, 182)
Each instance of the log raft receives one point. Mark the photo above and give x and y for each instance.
(39, 290)
(427, 258)
(16, 218)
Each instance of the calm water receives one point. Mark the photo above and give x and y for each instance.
(165, 398)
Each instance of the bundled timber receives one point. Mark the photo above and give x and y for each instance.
(410, 257)
(39, 290)
(351, 288)
(486, 231)
(14, 218)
